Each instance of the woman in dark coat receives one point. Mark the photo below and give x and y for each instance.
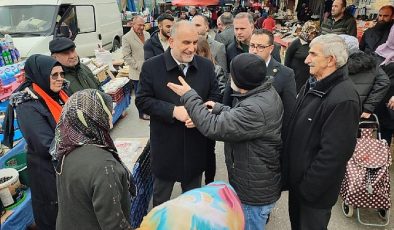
(93, 184)
(298, 51)
(370, 80)
(38, 103)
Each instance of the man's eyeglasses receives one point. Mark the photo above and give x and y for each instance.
(56, 76)
(258, 47)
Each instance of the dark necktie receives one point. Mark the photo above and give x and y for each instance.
(182, 68)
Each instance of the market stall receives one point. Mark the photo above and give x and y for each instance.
(16, 197)
(20, 214)
(17, 213)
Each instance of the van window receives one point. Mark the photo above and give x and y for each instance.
(66, 22)
(86, 19)
(27, 20)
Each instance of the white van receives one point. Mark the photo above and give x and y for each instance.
(34, 23)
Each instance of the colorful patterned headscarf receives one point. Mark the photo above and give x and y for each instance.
(215, 206)
(309, 31)
(85, 120)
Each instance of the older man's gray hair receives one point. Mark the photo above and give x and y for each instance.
(333, 45)
(174, 28)
(227, 19)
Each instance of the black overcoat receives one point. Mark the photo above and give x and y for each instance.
(177, 153)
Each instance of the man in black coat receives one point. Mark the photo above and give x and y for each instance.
(262, 44)
(243, 30)
(377, 35)
(321, 135)
(158, 42)
(178, 150)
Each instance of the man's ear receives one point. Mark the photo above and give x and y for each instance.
(332, 61)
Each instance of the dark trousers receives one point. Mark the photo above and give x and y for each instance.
(135, 86)
(44, 214)
(387, 134)
(210, 170)
(162, 189)
(303, 217)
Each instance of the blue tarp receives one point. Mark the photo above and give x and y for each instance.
(131, 5)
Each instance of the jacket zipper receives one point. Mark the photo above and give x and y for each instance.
(314, 92)
(232, 157)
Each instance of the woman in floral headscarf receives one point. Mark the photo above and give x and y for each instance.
(94, 186)
(298, 51)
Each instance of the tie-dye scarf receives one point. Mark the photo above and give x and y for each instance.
(215, 206)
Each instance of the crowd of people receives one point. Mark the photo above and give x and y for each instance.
(288, 126)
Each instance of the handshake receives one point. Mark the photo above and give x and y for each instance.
(181, 114)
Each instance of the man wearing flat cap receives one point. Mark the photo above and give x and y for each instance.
(78, 74)
(251, 131)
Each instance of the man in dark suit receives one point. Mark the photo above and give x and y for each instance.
(262, 44)
(243, 30)
(178, 149)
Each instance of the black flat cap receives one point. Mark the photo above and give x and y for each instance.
(248, 71)
(61, 44)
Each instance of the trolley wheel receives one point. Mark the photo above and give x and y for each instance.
(347, 210)
(383, 213)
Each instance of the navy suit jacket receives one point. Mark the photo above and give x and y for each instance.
(284, 84)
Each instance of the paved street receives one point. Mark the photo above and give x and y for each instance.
(132, 126)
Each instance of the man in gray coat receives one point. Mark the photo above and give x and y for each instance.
(218, 49)
(226, 28)
(251, 130)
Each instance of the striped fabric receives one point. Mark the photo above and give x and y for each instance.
(346, 25)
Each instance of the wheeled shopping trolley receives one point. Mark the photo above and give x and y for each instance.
(367, 179)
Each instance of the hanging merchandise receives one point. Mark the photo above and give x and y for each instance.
(195, 2)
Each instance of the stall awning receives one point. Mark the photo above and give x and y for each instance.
(195, 2)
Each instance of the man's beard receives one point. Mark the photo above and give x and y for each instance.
(164, 34)
(382, 26)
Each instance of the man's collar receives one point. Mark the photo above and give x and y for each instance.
(328, 82)
(268, 62)
(177, 62)
(338, 18)
(172, 63)
(137, 33)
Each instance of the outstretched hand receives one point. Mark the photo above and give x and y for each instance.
(179, 89)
